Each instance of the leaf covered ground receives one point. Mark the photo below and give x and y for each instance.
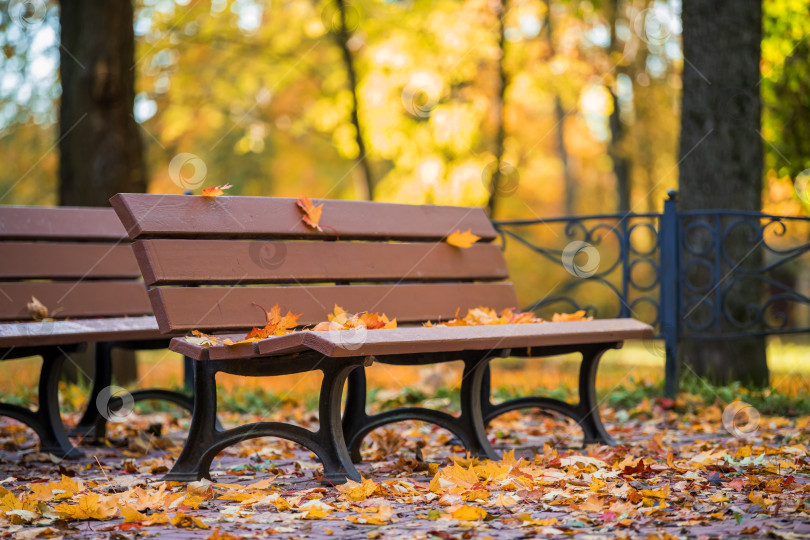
(678, 471)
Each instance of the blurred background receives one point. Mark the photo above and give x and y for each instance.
(527, 108)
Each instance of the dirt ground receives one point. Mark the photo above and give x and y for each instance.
(678, 471)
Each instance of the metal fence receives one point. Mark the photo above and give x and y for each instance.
(681, 271)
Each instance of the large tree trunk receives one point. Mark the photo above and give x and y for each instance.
(100, 149)
(101, 153)
(722, 163)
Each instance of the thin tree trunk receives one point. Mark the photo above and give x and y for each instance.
(559, 119)
(100, 149)
(500, 135)
(621, 165)
(568, 176)
(722, 164)
(342, 34)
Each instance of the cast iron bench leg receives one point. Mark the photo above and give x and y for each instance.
(585, 413)
(469, 427)
(93, 424)
(205, 440)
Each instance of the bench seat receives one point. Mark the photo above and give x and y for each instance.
(418, 340)
(58, 332)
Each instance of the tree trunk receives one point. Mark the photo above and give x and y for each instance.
(100, 149)
(621, 164)
(721, 166)
(497, 179)
(364, 186)
(101, 153)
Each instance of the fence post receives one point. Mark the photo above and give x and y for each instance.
(669, 238)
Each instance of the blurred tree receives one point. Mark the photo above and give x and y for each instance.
(100, 147)
(340, 21)
(721, 163)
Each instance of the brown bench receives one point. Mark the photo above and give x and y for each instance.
(207, 261)
(78, 262)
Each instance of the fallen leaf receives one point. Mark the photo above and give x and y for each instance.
(186, 521)
(312, 213)
(462, 239)
(37, 309)
(469, 513)
(276, 324)
(90, 506)
(215, 191)
(357, 491)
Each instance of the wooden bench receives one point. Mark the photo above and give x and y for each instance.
(77, 262)
(207, 260)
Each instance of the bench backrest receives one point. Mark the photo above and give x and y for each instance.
(77, 261)
(207, 260)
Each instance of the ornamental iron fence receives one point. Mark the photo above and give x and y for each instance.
(699, 275)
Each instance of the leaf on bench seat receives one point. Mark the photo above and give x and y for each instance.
(215, 191)
(276, 324)
(341, 320)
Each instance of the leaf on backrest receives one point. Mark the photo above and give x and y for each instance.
(312, 213)
(462, 239)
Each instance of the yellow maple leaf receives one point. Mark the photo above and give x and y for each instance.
(469, 513)
(131, 515)
(90, 506)
(186, 521)
(375, 516)
(462, 239)
(357, 491)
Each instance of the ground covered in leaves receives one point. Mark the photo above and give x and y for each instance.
(677, 471)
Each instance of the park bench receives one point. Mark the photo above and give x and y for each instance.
(78, 263)
(207, 260)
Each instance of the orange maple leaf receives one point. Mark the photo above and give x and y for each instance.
(276, 324)
(341, 320)
(462, 239)
(312, 213)
(567, 317)
(215, 191)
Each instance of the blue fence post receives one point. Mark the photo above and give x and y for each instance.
(668, 234)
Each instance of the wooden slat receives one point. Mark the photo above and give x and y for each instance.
(60, 223)
(66, 260)
(468, 338)
(39, 334)
(229, 308)
(419, 340)
(253, 261)
(75, 300)
(181, 216)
